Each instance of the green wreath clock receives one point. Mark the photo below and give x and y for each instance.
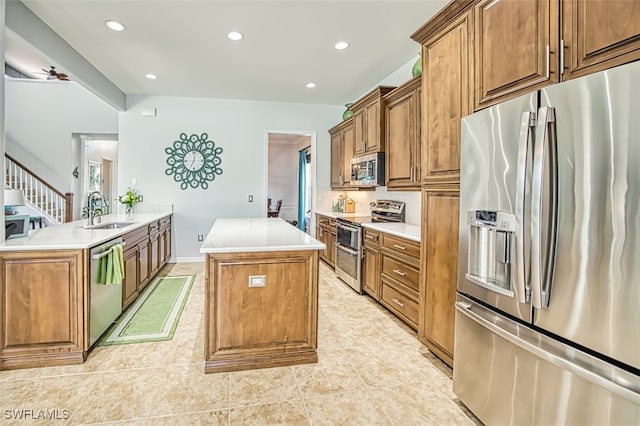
(193, 161)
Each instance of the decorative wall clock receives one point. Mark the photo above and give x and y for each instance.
(193, 161)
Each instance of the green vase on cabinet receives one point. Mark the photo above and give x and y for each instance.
(348, 113)
(417, 67)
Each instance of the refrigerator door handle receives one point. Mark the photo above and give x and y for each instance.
(521, 285)
(544, 218)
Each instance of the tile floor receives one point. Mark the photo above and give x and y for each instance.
(372, 370)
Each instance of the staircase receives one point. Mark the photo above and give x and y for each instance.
(50, 202)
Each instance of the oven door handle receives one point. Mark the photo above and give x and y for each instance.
(347, 228)
(345, 249)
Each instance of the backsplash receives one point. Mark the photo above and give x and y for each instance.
(363, 198)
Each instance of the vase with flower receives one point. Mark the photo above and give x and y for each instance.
(129, 199)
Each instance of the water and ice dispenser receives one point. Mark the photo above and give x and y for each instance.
(491, 234)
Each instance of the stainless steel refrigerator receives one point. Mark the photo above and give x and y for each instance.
(548, 304)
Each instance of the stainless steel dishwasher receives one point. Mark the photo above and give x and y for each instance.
(105, 301)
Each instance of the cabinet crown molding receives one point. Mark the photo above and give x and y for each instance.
(407, 86)
(340, 126)
(448, 13)
(376, 93)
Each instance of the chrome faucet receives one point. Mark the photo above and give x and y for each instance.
(91, 212)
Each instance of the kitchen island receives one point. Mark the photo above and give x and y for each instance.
(46, 284)
(261, 295)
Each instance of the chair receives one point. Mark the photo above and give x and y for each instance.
(274, 212)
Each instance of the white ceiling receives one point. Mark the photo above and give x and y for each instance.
(287, 44)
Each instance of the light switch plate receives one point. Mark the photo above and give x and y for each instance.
(257, 280)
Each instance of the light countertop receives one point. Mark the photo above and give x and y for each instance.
(73, 235)
(336, 215)
(410, 232)
(240, 235)
(404, 230)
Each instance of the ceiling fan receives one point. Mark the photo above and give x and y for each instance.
(52, 74)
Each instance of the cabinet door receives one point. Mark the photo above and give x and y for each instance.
(348, 142)
(439, 271)
(143, 264)
(599, 35)
(360, 131)
(331, 247)
(402, 137)
(162, 256)
(371, 271)
(130, 282)
(154, 254)
(514, 47)
(446, 91)
(337, 168)
(165, 245)
(374, 128)
(320, 236)
(42, 299)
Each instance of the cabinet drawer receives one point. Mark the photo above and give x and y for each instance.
(400, 304)
(401, 245)
(165, 222)
(371, 237)
(154, 227)
(134, 237)
(323, 220)
(401, 272)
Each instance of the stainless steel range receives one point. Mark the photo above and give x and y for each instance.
(349, 238)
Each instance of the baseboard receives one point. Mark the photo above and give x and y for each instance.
(189, 259)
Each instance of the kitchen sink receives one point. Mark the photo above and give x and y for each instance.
(110, 225)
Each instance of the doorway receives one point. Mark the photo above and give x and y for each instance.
(95, 158)
(290, 165)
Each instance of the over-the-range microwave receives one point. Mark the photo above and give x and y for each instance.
(368, 170)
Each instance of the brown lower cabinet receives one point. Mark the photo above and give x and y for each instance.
(42, 310)
(390, 273)
(326, 233)
(440, 207)
(371, 263)
(272, 325)
(146, 251)
(399, 276)
(130, 282)
(165, 240)
(44, 307)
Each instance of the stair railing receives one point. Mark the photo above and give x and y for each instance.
(42, 196)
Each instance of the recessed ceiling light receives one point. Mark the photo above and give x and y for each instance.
(311, 85)
(114, 25)
(151, 76)
(341, 45)
(235, 36)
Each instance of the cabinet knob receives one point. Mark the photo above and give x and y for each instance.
(398, 302)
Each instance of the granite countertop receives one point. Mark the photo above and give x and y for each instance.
(240, 235)
(73, 235)
(404, 230)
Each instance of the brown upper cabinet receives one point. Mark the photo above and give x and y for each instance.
(402, 124)
(342, 137)
(446, 96)
(513, 47)
(522, 45)
(368, 119)
(597, 35)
